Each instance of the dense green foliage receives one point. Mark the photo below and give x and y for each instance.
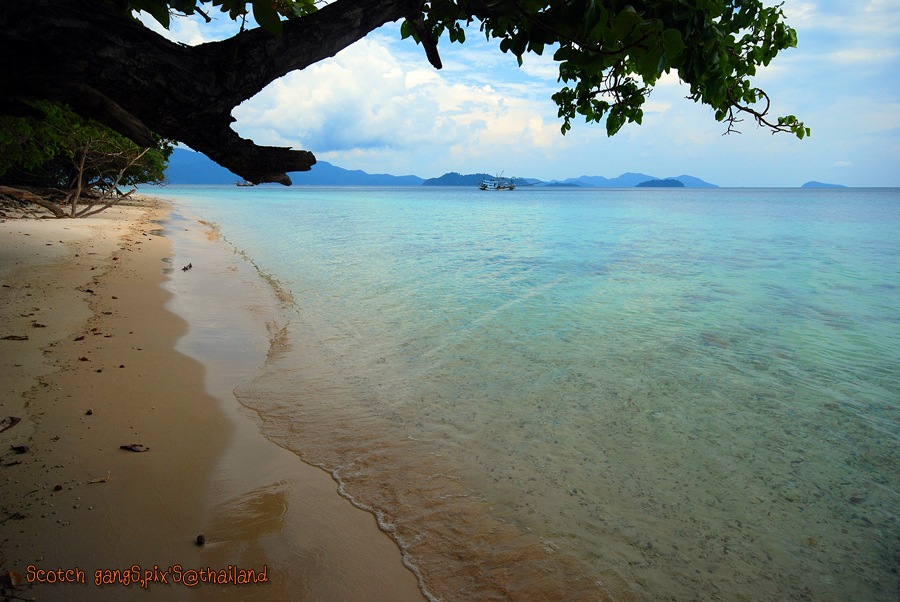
(27, 143)
(610, 52)
(48, 152)
(70, 156)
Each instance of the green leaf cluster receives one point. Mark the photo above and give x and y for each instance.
(612, 52)
(48, 152)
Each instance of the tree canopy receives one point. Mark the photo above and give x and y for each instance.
(73, 167)
(95, 56)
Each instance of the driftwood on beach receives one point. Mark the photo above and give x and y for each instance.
(72, 203)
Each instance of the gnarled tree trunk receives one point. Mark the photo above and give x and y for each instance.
(110, 67)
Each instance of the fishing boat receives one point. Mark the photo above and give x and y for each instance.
(498, 183)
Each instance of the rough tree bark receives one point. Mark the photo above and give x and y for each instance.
(100, 62)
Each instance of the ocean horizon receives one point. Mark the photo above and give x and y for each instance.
(592, 394)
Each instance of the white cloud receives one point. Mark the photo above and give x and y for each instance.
(369, 98)
(852, 19)
(800, 12)
(420, 77)
(863, 56)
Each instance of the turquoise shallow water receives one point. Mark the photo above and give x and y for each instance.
(594, 394)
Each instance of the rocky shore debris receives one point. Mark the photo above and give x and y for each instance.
(135, 447)
(100, 479)
(9, 422)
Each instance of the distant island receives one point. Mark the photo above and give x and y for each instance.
(814, 184)
(187, 167)
(473, 179)
(661, 184)
(626, 180)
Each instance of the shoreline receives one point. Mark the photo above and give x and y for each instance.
(105, 374)
(118, 354)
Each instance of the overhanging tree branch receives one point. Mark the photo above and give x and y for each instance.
(94, 56)
(137, 82)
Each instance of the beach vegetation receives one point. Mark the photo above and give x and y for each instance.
(97, 57)
(72, 166)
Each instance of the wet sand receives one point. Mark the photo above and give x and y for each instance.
(105, 342)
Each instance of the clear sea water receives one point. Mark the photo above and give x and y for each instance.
(558, 394)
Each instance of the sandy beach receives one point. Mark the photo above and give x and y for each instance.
(122, 442)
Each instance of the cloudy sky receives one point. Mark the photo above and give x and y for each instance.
(380, 107)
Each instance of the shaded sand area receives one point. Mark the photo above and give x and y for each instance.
(104, 344)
